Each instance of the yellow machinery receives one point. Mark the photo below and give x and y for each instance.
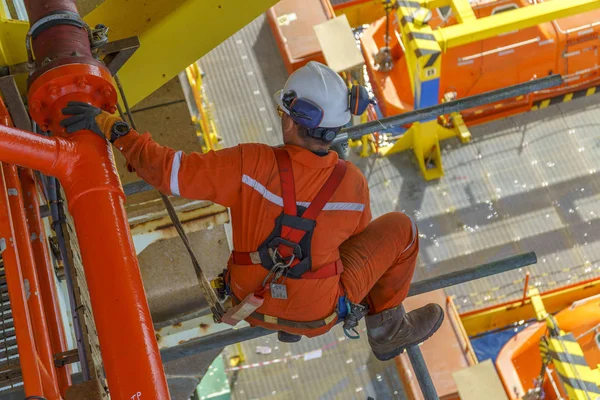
(424, 49)
(564, 352)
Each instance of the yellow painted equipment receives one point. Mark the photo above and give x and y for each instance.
(424, 48)
(167, 30)
(203, 120)
(564, 352)
(502, 315)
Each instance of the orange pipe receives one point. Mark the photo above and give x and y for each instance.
(525, 288)
(45, 273)
(85, 166)
(127, 339)
(14, 280)
(34, 300)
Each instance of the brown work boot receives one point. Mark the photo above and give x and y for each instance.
(392, 331)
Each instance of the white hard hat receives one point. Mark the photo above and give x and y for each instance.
(321, 85)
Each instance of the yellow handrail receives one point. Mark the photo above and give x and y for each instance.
(205, 127)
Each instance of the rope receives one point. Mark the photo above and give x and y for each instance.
(209, 294)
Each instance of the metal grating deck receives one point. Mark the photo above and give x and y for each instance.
(526, 183)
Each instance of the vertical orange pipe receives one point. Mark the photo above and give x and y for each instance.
(14, 280)
(34, 300)
(45, 273)
(127, 339)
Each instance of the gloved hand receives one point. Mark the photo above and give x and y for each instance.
(86, 116)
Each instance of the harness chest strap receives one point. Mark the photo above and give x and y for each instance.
(292, 234)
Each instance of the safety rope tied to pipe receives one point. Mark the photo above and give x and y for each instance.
(205, 286)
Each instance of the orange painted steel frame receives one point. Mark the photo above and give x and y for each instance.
(30, 368)
(23, 216)
(45, 274)
(34, 300)
(501, 61)
(84, 164)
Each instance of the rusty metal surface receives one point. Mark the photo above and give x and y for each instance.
(118, 52)
(188, 213)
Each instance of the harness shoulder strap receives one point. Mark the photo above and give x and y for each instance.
(320, 200)
(288, 193)
(286, 178)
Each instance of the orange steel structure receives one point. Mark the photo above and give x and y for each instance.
(45, 274)
(34, 300)
(30, 367)
(64, 70)
(567, 46)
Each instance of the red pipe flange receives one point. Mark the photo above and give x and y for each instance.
(49, 93)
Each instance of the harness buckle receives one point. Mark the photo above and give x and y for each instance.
(278, 269)
(275, 243)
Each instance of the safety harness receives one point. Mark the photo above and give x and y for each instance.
(286, 253)
(287, 249)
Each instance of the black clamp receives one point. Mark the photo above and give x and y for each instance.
(54, 19)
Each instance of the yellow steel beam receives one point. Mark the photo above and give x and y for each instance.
(12, 40)
(173, 34)
(538, 304)
(433, 4)
(484, 28)
(463, 11)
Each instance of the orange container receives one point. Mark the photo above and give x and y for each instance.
(567, 46)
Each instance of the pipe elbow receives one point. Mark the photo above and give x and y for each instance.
(90, 167)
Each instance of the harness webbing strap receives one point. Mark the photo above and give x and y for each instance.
(286, 177)
(288, 193)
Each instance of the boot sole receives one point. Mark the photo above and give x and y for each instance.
(397, 352)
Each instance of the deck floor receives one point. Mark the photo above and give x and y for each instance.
(526, 183)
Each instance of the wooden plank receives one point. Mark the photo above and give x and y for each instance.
(339, 45)
(480, 381)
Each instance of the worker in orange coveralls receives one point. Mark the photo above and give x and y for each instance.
(306, 253)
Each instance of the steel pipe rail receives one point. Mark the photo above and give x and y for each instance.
(428, 113)
(232, 336)
(422, 373)
(470, 274)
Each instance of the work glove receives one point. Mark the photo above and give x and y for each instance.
(85, 116)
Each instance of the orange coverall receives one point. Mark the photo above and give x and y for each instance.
(379, 257)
